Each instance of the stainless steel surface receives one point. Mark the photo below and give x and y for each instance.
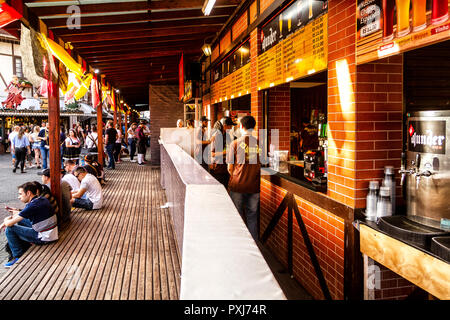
(427, 171)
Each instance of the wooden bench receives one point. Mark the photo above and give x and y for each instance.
(124, 251)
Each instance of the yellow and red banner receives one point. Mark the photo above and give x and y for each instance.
(8, 14)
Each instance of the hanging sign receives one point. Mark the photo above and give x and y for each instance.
(388, 27)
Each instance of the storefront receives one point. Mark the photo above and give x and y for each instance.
(307, 63)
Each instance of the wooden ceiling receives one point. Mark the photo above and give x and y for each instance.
(135, 43)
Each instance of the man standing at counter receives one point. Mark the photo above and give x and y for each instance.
(244, 167)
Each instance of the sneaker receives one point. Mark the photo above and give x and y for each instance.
(10, 263)
(14, 170)
(141, 164)
(38, 167)
(23, 171)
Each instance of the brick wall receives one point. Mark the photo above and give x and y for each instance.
(326, 233)
(279, 114)
(225, 41)
(264, 4)
(379, 117)
(165, 110)
(253, 11)
(239, 26)
(215, 53)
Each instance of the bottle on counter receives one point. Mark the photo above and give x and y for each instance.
(389, 181)
(371, 201)
(384, 205)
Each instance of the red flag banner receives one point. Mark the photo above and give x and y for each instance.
(94, 92)
(181, 78)
(8, 15)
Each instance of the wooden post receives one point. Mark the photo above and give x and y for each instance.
(100, 125)
(125, 134)
(53, 136)
(115, 109)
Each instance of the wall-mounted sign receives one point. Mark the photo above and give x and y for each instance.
(300, 50)
(233, 86)
(388, 27)
(237, 59)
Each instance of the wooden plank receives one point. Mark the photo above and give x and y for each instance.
(423, 270)
(102, 238)
(103, 251)
(126, 250)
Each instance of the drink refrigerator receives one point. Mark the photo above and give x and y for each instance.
(425, 168)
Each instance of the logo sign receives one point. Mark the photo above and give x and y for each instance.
(427, 136)
(8, 15)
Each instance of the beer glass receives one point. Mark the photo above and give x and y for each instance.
(299, 12)
(281, 25)
(439, 13)
(419, 14)
(289, 22)
(310, 9)
(402, 17)
(388, 19)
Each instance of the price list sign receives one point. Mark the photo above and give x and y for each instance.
(232, 86)
(300, 51)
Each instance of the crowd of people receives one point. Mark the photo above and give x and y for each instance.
(29, 145)
(231, 154)
(82, 178)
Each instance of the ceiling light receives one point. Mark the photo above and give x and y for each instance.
(206, 49)
(96, 71)
(207, 6)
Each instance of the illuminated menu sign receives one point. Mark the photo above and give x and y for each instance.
(231, 79)
(388, 27)
(237, 59)
(294, 44)
(232, 86)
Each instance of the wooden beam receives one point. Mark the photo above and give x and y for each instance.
(157, 33)
(185, 4)
(91, 8)
(136, 56)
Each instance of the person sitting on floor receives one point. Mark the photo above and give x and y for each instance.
(94, 168)
(36, 223)
(66, 205)
(69, 166)
(90, 186)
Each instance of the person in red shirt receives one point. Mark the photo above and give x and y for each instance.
(244, 166)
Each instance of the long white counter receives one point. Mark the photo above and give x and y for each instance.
(220, 259)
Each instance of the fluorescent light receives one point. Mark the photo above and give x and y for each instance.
(207, 6)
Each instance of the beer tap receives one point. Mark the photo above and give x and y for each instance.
(403, 170)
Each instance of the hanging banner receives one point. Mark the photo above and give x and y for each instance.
(294, 44)
(181, 78)
(94, 92)
(8, 15)
(388, 27)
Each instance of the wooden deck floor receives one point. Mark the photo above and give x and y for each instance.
(126, 250)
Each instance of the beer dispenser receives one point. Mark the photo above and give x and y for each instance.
(425, 170)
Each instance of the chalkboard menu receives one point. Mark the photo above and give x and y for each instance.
(388, 27)
(294, 44)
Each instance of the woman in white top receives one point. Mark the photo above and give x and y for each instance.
(92, 140)
(35, 145)
(72, 150)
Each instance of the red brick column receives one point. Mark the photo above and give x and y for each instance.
(256, 96)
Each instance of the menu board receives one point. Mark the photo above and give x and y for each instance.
(388, 27)
(237, 59)
(298, 53)
(234, 85)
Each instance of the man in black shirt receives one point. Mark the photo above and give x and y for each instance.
(110, 141)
